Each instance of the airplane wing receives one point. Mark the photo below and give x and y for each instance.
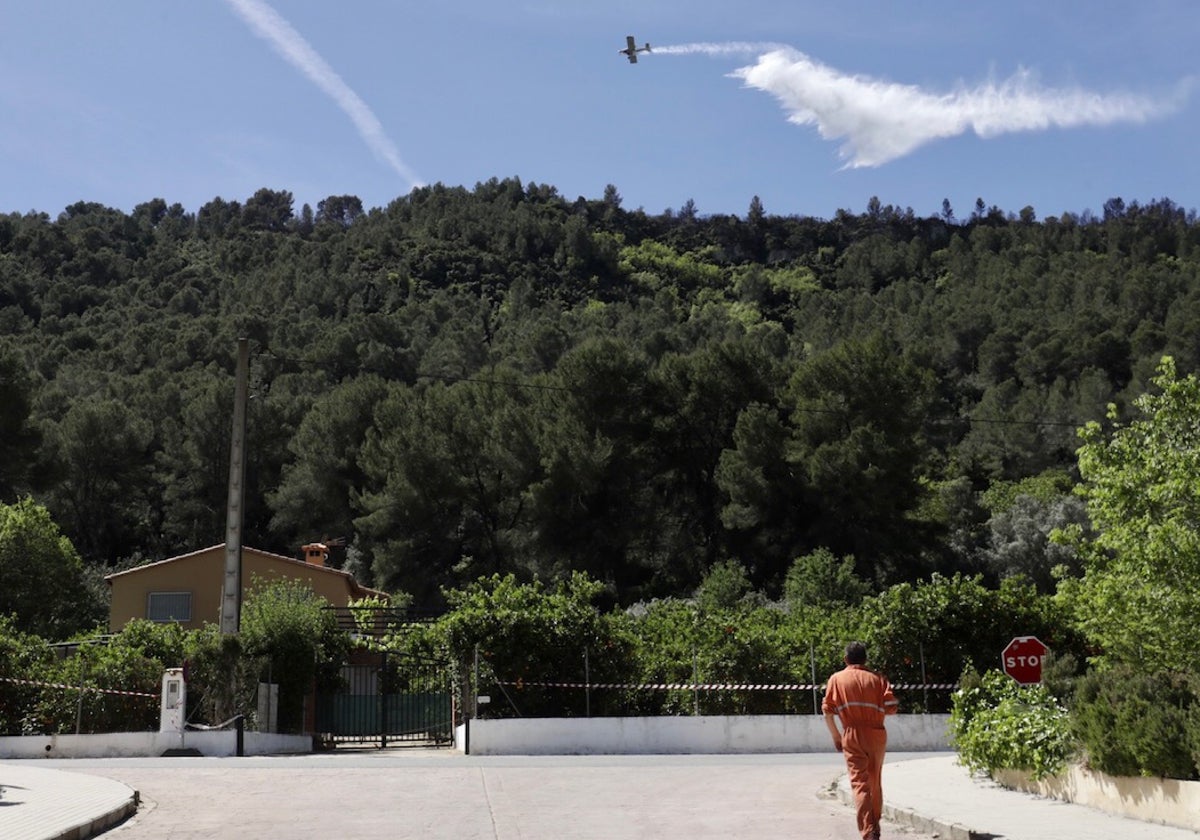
(630, 50)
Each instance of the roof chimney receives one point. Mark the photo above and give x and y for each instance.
(316, 554)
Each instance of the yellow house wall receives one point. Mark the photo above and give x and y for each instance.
(202, 574)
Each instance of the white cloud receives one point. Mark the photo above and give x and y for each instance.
(881, 120)
(291, 45)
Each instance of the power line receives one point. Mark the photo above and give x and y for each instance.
(1000, 420)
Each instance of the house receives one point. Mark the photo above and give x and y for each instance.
(187, 589)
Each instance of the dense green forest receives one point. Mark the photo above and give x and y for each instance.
(502, 380)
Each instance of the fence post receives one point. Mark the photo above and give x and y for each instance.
(383, 695)
(587, 685)
(695, 681)
(475, 687)
(79, 702)
(812, 664)
(924, 680)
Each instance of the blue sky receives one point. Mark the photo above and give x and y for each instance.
(812, 106)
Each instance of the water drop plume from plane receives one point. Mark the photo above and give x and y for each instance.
(718, 49)
(880, 120)
(269, 25)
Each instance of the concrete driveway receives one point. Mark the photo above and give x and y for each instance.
(440, 794)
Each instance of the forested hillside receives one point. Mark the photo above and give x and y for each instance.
(503, 380)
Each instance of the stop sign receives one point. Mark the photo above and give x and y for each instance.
(1022, 659)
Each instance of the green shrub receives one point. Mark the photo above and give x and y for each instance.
(517, 636)
(103, 669)
(23, 657)
(821, 579)
(114, 682)
(952, 622)
(286, 625)
(999, 724)
(1192, 726)
(223, 679)
(530, 633)
(681, 641)
(1060, 675)
(724, 587)
(1138, 724)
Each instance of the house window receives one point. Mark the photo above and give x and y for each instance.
(169, 606)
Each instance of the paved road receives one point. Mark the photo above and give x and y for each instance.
(435, 795)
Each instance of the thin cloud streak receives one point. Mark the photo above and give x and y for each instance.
(267, 24)
(881, 121)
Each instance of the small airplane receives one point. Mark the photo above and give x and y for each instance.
(632, 49)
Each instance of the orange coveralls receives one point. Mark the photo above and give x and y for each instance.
(861, 698)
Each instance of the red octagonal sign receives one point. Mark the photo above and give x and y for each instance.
(1022, 659)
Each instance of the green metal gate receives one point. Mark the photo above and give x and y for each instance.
(389, 700)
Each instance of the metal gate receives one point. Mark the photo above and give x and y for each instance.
(389, 700)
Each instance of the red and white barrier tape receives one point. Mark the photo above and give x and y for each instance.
(78, 688)
(709, 686)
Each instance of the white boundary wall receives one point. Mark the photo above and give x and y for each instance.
(675, 735)
(522, 736)
(1165, 801)
(138, 744)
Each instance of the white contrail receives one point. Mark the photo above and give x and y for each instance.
(271, 27)
(881, 121)
(726, 48)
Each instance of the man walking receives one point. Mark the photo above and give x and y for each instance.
(861, 699)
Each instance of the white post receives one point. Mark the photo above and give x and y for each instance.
(173, 707)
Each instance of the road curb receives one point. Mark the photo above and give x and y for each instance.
(905, 816)
(99, 825)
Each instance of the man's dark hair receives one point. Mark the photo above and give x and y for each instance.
(856, 653)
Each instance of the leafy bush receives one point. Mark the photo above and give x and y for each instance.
(22, 657)
(223, 679)
(287, 625)
(525, 634)
(1060, 675)
(682, 642)
(100, 671)
(724, 586)
(114, 683)
(1000, 724)
(1138, 724)
(529, 633)
(1193, 733)
(821, 579)
(42, 579)
(1137, 601)
(953, 622)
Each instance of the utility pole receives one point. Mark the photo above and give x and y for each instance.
(231, 590)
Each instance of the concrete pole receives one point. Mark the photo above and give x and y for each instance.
(231, 590)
